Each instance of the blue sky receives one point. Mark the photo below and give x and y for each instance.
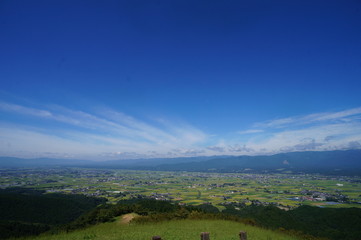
(128, 79)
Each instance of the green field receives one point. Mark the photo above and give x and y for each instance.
(171, 230)
(260, 198)
(191, 187)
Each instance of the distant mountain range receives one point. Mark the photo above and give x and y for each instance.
(331, 162)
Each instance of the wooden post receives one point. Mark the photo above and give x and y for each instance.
(205, 236)
(243, 235)
(156, 238)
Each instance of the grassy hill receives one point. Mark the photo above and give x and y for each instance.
(168, 230)
(172, 221)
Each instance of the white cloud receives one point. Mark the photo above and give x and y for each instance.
(322, 131)
(337, 115)
(24, 110)
(250, 131)
(342, 116)
(109, 134)
(106, 131)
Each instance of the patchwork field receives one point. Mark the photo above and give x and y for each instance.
(285, 190)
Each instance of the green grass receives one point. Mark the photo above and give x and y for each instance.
(170, 230)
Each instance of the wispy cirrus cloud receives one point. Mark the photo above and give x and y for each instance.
(318, 131)
(340, 116)
(105, 131)
(250, 131)
(24, 110)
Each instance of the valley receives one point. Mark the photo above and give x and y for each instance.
(286, 191)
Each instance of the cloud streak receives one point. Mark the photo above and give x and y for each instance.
(319, 131)
(104, 133)
(340, 116)
(24, 110)
(250, 131)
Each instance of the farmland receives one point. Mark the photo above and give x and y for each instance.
(191, 188)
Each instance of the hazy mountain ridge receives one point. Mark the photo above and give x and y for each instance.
(47, 162)
(41, 162)
(329, 161)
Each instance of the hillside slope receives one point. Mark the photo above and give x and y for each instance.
(170, 230)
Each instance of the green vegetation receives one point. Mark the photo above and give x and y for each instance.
(62, 200)
(51, 209)
(321, 222)
(285, 190)
(29, 212)
(169, 230)
(303, 222)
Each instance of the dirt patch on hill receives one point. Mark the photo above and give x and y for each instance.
(126, 218)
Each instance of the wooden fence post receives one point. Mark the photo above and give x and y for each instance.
(243, 235)
(205, 236)
(156, 238)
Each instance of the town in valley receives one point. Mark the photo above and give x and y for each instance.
(286, 191)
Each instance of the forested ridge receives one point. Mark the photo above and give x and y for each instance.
(27, 211)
